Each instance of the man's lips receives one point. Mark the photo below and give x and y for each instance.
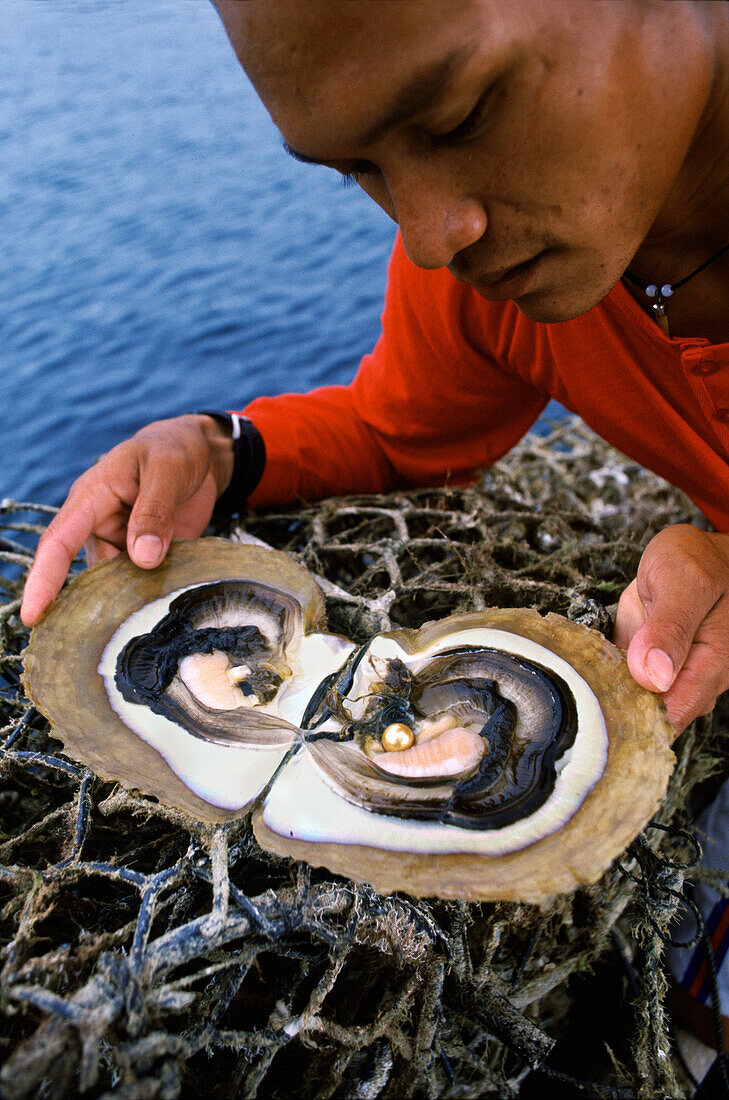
(507, 283)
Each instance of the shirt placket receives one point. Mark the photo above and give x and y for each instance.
(705, 368)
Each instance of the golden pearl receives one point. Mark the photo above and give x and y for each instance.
(397, 737)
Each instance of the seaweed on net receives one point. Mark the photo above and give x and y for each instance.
(144, 955)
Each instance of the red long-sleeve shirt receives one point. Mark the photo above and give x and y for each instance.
(455, 381)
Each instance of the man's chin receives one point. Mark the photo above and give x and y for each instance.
(551, 308)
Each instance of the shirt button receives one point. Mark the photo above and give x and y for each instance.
(722, 415)
(705, 367)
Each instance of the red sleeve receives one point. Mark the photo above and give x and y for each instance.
(430, 404)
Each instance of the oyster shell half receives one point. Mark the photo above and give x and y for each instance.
(109, 665)
(598, 776)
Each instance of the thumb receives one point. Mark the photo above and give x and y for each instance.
(150, 526)
(673, 614)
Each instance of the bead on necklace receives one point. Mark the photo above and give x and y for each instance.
(659, 304)
(660, 294)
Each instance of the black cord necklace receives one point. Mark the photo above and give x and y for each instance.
(659, 294)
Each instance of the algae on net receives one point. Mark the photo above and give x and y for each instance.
(142, 956)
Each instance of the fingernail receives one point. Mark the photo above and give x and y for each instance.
(147, 550)
(659, 667)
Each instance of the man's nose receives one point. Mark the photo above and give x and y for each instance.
(437, 224)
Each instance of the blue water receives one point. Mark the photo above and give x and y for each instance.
(160, 253)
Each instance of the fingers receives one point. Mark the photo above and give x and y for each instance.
(162, 482)
(59, 545)
(163, 487)
(673, 620)
(680, 580)
(180, 465)
(98, 549)
(630, 616)
(696, 687)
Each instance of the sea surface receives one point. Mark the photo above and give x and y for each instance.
(159, 252)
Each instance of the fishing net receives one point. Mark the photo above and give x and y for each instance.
(143, 955)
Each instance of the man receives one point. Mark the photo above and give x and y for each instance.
(539, 150)
(531, 154)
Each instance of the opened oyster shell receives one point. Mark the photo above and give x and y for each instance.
(493, 755)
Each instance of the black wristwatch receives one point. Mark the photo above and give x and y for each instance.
(249, 459)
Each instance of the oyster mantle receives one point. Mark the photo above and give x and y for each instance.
(304, 736)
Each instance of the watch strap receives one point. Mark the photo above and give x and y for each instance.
(249, 460)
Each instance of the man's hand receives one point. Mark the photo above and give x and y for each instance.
(673, 620)
(159, 485)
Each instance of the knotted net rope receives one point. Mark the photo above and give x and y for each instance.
(144, 955)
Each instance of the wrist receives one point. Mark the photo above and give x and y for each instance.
(218, 433)
(244, 442)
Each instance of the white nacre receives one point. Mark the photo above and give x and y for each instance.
(319, 655)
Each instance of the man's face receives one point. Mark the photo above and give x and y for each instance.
(516, 143)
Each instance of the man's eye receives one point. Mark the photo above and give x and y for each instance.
(469, 126)
(355, 173)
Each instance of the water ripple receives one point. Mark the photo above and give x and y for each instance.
(160, 251)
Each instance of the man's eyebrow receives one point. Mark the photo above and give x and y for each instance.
(423, 89)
